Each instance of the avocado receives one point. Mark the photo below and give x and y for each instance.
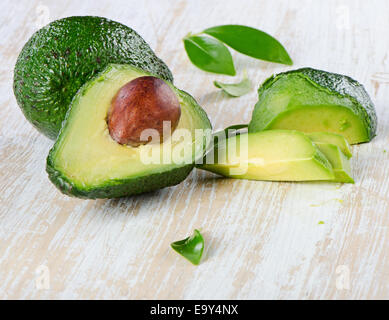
(339, 161)
(277, 155)
(332, 138)
(86, 162)
(311, 100)
(59, 58)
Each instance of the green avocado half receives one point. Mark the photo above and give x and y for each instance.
(311, 100)
(59, 58)
(86, 162)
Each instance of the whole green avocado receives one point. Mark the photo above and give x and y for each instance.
(59, 58)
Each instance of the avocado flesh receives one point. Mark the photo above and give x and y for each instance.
(276, 155)
(312, 100)
(86, 162)
(331, 138)
(59, 58)
(339, 161)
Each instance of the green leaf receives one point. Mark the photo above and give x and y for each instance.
(252, 42)
(190, 248)
(209, 55)
(235, 89)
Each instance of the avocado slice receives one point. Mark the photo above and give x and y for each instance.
(332, 138)
(277, 155)
(86, 162)
(339, 161)
(59, 58)
(311, 100)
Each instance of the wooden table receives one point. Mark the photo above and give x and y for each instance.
(263, 239)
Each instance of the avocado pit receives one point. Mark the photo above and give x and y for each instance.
(143, 103)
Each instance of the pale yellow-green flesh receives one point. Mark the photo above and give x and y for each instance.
(89, 156)
(335, 119)
(339, 161)
(278, 155)
(332, 138)
(295, 103)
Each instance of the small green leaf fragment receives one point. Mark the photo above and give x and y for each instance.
(209, 54)
(235, 89)
(252, 42)
(321, 222)
(190, 248)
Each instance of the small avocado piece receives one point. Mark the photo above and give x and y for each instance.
(311, 100)
(86, 162)
(276, 155)
(59, 58)
(339, 161)
(332, 138)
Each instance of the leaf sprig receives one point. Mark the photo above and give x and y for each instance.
(235, 89)
(211, 54)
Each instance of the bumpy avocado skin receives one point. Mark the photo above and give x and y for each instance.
(59, 58)
(118, 188)
(122, 187)
(336, 84)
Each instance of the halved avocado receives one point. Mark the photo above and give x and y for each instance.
(339, 161)
(86, 162)
(277, 155)
(311, 100)
(332, 138)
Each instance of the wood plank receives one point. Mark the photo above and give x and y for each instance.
(263, 239)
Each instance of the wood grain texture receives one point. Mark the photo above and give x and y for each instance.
(263, 239)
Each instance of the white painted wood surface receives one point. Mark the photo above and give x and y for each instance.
(263, 240)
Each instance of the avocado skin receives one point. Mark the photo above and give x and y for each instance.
(121, 187)
(118, 188)
(340, 85)
(59, 58)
